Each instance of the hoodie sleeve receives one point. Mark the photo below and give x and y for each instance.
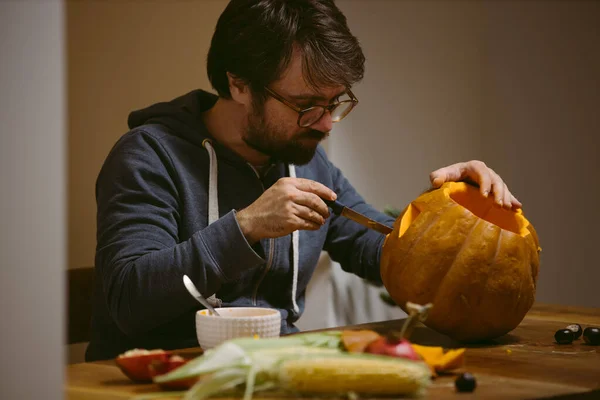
(355, 247)
(139, 255)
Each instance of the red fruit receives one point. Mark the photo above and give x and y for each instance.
(158, 367)
(394, 347)
(134, 363)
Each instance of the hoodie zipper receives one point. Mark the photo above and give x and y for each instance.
(271, 247)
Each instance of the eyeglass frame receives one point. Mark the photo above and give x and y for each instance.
(302, 111)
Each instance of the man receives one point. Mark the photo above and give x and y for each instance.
(229, 190)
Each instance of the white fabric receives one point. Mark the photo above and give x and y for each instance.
(295, 253)
(352, 300)
(213, 194)
(213, 200)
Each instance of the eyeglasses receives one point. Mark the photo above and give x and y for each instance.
(311, 115)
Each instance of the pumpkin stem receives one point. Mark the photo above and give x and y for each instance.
(416, 313)
(393, 338)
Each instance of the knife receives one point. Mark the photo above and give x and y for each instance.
(340, 209)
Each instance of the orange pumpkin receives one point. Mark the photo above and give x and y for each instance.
(476, 262)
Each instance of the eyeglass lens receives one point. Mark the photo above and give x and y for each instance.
(338, 113)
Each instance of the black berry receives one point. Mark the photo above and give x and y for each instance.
(564, 336)
(592, 336)
(577, 331)
(465, 382)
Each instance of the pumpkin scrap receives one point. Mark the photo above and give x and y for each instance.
(477, 262)
(439, 361)
(357, 341)
(452, 359)
(430, 354)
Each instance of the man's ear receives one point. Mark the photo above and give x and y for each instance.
(240, 92)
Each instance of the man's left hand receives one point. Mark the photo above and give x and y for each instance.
(479, 173)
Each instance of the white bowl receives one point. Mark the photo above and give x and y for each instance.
(236, 322)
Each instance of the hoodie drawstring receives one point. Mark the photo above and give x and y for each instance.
(213, 200)
(213, 215)
(295, 252)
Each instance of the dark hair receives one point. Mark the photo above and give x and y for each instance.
(254, 40)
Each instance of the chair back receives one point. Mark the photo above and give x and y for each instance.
(80, 282)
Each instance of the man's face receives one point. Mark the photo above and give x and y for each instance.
(272, 127)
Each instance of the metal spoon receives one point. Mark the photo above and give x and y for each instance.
(189, 285)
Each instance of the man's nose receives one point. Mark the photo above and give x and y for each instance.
(325, 124)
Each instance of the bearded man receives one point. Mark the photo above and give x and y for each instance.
(229, 189)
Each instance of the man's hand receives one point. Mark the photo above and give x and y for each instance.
(481, 174)
(290, 204)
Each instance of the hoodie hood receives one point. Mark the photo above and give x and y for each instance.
(182, 115)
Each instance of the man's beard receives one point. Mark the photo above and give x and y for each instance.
(273, 141)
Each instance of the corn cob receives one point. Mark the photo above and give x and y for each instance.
(377, 375)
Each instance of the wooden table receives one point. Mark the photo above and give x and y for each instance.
(525, 364)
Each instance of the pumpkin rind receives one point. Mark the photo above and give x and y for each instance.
(480, 277)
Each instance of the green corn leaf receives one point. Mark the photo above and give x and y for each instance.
(235, 353)
(227, 355)
(250, 381)
(320, 339)
(217, 383)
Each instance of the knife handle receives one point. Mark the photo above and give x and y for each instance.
(335, 205)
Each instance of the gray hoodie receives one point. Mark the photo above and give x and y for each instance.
(166, 197)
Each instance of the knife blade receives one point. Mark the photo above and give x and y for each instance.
(340, 209)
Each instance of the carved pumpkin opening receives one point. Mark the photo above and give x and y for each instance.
(470, 198)
(408, 217)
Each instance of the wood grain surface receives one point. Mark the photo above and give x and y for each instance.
(524, 364)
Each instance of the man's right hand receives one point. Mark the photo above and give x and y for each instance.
(290, 204)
